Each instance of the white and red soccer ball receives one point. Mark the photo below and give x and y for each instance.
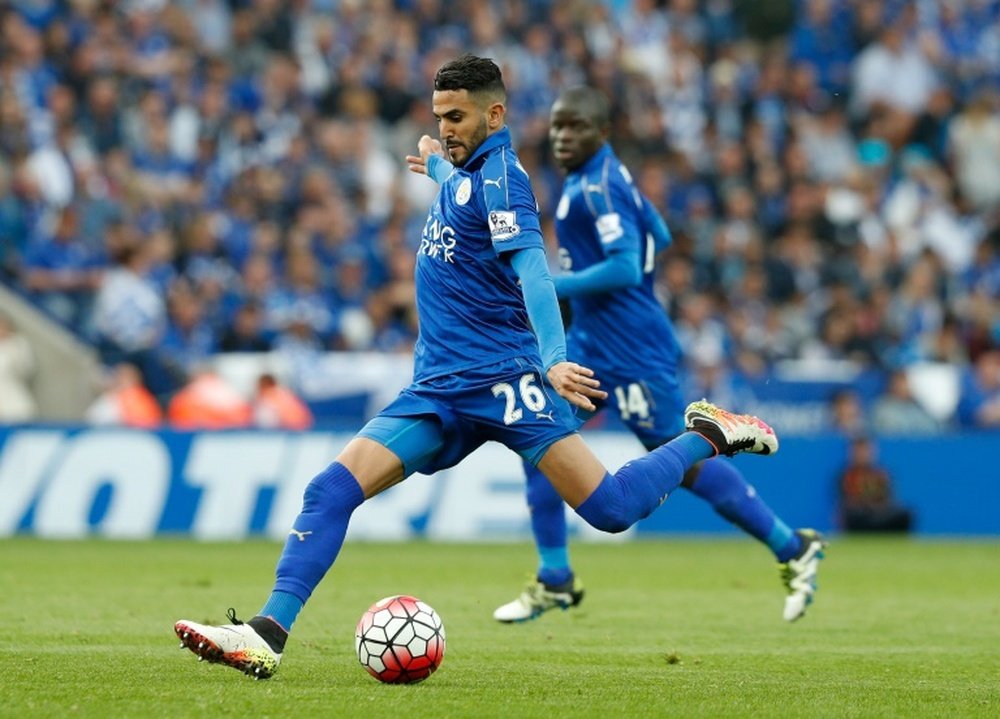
(400, 640)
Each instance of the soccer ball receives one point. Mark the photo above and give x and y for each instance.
(400, 640)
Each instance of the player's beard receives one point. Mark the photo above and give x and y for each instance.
(477, 139)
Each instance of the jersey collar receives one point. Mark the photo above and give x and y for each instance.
(497, 139)
(595, 160)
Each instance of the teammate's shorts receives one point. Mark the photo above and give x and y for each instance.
(652, 406)
(446, 418)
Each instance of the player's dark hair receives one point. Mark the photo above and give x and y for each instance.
(476, 75)
(591, 102)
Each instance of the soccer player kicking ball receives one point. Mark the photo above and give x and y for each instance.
(490, 334)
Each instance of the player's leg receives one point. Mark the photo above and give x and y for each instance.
(656, 413)
(614, 502)
(548, 527)
(722, 485)
(386, 450)
(363, 469)
(554, 585)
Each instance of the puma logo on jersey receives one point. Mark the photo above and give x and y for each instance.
(487, 181)
(545, 415)
(300, 535)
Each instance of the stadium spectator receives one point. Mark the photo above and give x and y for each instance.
(189, 339)
(17, 368)
(62, 271)
(893, 76)
(130, 316)
(865, 491)
(207, 401)
(973, 147)
(277, 407)
(979, 398)
(822, 38)
(125, 401)
(897, 411)
(245, 332)
(848, 415)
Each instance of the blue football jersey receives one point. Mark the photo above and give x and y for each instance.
(471, 310)
(627, 330)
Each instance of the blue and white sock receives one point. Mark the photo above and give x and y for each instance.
(642, 485)
(314, 542)
(723, 486)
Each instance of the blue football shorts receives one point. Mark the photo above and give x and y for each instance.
(434, 424)
(651, 406)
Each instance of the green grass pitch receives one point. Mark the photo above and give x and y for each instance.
(674, 628)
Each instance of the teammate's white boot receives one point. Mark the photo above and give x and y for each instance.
(799, 574)
(538, 598)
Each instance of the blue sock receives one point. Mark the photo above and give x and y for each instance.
(548, 525)
(643, 484)
(722, 485)
(693, 447)
(283, 608)
(313, 544)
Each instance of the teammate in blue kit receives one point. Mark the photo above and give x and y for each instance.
(490, 335)
(609, 235)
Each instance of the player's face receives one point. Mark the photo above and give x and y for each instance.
(574, 135)
(462, 123)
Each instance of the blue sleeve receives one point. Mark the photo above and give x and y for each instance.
(620, 269)
(540, 301)
(655, 226)
(509, 201)
(438, 168)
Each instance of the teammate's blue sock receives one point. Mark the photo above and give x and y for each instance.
(313, 544)
(722, 485)
(548, 525)
(642, 485)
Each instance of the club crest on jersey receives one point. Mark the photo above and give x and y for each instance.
(503, 226)
(464, 191)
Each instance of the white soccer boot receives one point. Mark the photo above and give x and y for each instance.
(730, 433)
(538, 598)
(799, 574)
(237, 645)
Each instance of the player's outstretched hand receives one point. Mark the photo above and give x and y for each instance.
(426, 146)
(576, 384)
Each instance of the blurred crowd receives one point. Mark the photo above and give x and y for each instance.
(201, 176)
